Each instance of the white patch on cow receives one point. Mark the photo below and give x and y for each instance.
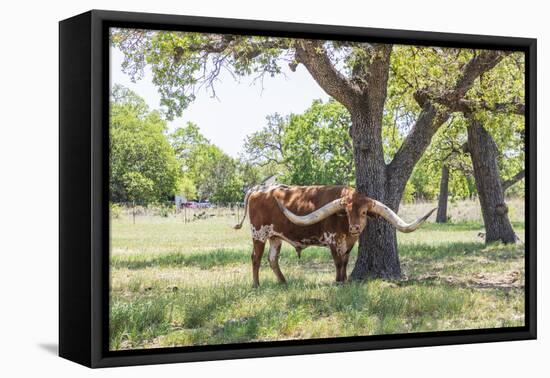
(274, 244)
(263, 233)
(328, 238)
(341, 245)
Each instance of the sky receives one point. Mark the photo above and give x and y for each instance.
(240, 107)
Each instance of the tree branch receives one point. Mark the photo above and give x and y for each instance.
(413, 147)
(314, 57)
(430, 118)
(470, 106)
(517, 177)
(479, 64)
(377, 74)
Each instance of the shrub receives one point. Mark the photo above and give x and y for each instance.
(116, 210)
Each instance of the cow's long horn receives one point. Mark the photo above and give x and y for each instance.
(387, 213)
(315, 216)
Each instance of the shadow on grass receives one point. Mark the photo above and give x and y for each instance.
(463, 226)
(428, 252)
(208, 259)
(204, 260)
(315, 258)
(506, 282)
(428, 260)
(237, 330)
(425, 250)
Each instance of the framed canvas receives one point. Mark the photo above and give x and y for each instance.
(235, 188)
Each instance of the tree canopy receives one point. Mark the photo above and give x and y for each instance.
(316, 147)
(312, 148)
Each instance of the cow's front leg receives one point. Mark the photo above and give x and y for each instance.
(344, 265)
(340, 263)
(273, 257)
(337, 263)
(257, 254)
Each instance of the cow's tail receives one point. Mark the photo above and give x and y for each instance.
(240, 224)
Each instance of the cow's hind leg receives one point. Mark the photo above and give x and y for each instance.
(274, 251)
(257, 254)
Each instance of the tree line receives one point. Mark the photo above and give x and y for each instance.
(410, 111)
(150, 165)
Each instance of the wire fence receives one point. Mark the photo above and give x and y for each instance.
(186, 213)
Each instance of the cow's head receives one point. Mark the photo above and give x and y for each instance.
(356, 206)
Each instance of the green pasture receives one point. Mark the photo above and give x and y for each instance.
(177, 284)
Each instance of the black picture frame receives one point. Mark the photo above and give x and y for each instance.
(83, 193)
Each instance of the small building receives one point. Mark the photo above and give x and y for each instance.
(179, 200)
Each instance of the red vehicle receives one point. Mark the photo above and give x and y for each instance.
(197, 205)
(191, 205)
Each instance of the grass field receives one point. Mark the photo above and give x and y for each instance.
(177, 284)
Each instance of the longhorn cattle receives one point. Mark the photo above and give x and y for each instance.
(303, 216)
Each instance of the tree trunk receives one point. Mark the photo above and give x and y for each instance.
(377, 254)
(443, 195)
(483, 151)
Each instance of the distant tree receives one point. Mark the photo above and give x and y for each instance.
(138, 189)
(312, 148)
(185, 139)
(445, 169)
(265, 147)
(253, 174)
(186, 188)
(216, 175)
(207, 171)
(318, 147)
(143, 166)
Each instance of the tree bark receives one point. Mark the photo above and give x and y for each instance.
(443, 195)
(483, 151)
(377, 254)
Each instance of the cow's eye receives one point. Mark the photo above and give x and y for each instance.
(364, 213)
